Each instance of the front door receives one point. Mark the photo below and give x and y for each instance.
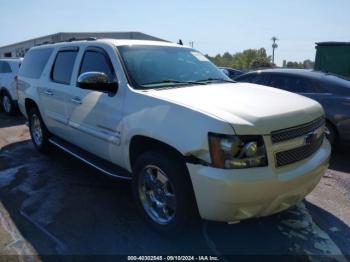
(94, 117)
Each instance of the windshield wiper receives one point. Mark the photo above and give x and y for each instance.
(215, 79)
(170, 81)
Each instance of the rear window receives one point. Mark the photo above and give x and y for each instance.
(63, 67)
(252, 78)
(337, 80)
(34, 62)
(5, 67)
(291, 83)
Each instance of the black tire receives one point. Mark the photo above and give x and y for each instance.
(332, 135)
(176, 171)
(10, 107)
(35, 121)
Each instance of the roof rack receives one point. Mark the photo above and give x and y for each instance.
(73, 39)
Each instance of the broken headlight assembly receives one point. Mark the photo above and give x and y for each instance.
(235, 152)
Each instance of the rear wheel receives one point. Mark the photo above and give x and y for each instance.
(163, 192)
(38, 130)
(7, 104)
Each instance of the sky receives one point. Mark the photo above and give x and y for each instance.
(215, 26)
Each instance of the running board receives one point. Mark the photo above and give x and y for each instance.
(100, 164)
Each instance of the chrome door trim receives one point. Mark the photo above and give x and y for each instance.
(105, 135)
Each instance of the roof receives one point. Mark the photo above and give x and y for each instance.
(120, 42)
(292, 71)
(12, 59)
(230, 68)
(332, 43)
(115, 42)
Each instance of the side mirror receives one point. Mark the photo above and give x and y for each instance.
(97, 81)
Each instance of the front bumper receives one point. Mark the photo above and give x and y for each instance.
(231, 195)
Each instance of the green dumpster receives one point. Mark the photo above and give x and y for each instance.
(333, 57)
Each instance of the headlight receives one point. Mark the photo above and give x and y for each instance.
(237, 151)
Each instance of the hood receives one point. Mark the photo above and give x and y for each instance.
(249, 108)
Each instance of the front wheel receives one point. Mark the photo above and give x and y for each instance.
(163, 192)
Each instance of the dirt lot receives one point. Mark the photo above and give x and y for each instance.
(55, 205)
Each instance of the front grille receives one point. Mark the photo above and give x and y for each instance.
(297, 131)
(297, 154)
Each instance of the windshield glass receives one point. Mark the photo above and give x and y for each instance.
(163, 66)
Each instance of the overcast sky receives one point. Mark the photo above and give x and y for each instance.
(215, 26)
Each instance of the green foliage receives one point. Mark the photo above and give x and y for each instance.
(307, 64)
(246, 60)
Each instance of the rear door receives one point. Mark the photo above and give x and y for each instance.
(6, 78)
(56, 89)
(94, 117)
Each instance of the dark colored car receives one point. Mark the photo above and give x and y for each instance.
(331, 91)
(230, 72)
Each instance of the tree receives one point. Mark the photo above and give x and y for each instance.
(248, 59)
(307, 64)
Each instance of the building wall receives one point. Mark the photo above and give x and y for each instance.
(19, 49)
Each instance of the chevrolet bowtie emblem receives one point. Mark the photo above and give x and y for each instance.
(310, 137)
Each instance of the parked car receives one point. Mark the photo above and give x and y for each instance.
(331, 91)
(162, 115)
(8, 95)
(230, 72)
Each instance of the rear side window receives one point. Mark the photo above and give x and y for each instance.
(5, 67)
(291, 84)
(252, 78)
(34, 62)
(63, 67)
(96, 61)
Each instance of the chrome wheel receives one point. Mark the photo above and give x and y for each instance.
(6, 104)
(157, 195)
(36, 130)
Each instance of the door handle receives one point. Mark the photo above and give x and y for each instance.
(76, 100)
(49, 92)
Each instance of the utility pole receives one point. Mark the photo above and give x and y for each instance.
(274, 46)
(191, 44)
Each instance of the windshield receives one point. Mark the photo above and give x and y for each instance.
(163, 66)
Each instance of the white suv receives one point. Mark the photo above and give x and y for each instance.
(8, 75)
(191, 140)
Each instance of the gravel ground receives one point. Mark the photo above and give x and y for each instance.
(55, 205)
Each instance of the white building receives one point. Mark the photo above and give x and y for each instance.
(19, 49)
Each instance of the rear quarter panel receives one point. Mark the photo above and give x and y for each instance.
(337, 110)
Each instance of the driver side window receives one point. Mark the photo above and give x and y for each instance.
(97, 61)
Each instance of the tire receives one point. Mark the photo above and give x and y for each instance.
(332, 135)
(7, 104)
(171, 174)
(38, 131)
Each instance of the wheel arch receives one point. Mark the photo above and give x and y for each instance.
(29, 104)
(140, 144)
(3, 90)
